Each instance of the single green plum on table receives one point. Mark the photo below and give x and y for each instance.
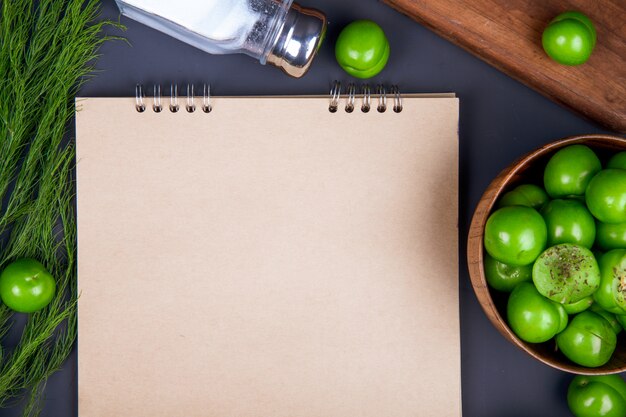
(362, 49)
(597, 396)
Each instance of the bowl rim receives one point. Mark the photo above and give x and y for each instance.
(475, 248)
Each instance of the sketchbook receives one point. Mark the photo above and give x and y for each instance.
(268, 256)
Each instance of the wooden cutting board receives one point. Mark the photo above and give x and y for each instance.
(507, 34)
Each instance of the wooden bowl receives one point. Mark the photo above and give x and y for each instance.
(529, 169)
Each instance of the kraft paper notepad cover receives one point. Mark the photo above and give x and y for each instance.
(268, 259)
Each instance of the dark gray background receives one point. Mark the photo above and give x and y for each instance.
(500, 120)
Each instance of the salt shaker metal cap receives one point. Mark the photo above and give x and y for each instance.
(298, 40)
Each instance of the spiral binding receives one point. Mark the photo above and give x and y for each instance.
(139, 99)
(157, 107)
(351, 98)
(382, 98)
(206, 99)
(366, 93)
(335, 97)
(174, 106)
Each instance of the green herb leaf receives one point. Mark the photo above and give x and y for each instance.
(47, 49)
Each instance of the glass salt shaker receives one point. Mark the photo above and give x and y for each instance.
(278, 32)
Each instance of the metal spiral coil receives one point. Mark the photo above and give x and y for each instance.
(206, 99)
(156, 106)
(367, 98)
(382, 98)
(190, 106)
(335, 95)
(335, 98)
(174, 107)
(397, 99)
(366, 94)
(140, 106)
(351, 98)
